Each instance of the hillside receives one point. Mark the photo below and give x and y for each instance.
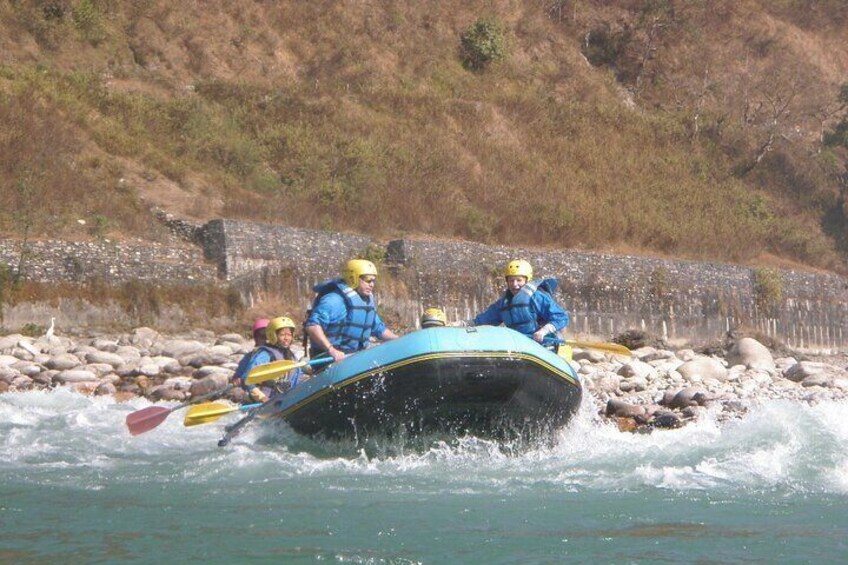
(710, 130)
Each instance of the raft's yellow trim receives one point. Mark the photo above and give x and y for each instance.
(356, 378)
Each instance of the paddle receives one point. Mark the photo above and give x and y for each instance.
(211, 411)
(615, 348)
(235, 429)
(148, 418)
(275, 370)
(609, 347)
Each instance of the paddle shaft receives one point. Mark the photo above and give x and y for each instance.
(146, 419)
(273, 371)
(236, 428)
(608, 347)
(213, 411)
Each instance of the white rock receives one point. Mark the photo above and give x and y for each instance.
(179, 383)
(639, 369)
(8, 360)
(149, 370)
(112, 359)
(75, 376)
(703, 367)
(180, 348)
(128, 353)
(804, 369)
(208, 370)
(63, 362)
(751, 353)
(22, 382)
(27, 368)
(98, 369)
(9, 341)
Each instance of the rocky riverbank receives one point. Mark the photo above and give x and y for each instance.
(653, 388)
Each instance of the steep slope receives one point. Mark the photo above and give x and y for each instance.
(683, 128)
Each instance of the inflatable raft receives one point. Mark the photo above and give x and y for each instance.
(489, 382)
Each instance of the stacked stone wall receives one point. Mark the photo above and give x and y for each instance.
(605, 294)
(112, 262)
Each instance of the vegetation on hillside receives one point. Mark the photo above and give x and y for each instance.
(699, 129)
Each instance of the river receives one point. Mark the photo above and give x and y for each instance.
(75, 487)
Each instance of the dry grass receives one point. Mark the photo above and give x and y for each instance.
(362, 118)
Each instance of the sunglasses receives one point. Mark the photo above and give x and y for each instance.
(371, 280)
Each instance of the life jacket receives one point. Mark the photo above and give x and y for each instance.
(352, 333)
(275, 353)
(516, 310)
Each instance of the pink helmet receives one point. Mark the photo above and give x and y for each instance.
(260, 324)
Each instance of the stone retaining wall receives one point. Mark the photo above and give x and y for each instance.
(113, 262)
(605, 294)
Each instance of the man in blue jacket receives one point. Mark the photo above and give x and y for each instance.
(344, 313)
(527, 306)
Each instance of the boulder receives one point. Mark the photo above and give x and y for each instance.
(666, 420)
(143, 338)
(690, 396)
(621, 409)
(74, 376)
(180, 348)
(22, 382)
(98, 369)
(63, 362)
(128, 353)
(164, 392)
(589, 355)
(8, 360)
(167, 364)
(702, 368)
(751, 353)
(216, 381)
(148, 370)
(105, 357)
(637, 368)
(105, 389)
(819, 379)
(800, 371)
(204, 372)
(8, 342)
(104, 345)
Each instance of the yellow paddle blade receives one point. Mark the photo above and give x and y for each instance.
(271, 371)
(207, 412)
(608, 347)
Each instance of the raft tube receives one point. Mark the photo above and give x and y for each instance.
(489, 382)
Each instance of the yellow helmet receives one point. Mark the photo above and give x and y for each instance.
(433, 317)
(519, 268)
(356, 268)
(275, 325)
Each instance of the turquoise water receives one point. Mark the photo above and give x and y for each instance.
(75, 487)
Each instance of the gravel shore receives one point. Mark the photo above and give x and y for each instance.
(655, 387)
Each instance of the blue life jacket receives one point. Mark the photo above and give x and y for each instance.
(516, 310)
(276, 355)
(353, 333)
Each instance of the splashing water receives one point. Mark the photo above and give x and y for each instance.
(73, 480)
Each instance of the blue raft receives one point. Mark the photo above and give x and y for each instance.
(489, 382)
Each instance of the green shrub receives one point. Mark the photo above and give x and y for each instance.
(32, 330)
(478, 225)
(768, 290)
(89, 21)
(604, 46)
(482, 44)
(375, 253)
(99, 226)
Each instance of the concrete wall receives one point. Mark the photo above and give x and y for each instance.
(605, 294)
